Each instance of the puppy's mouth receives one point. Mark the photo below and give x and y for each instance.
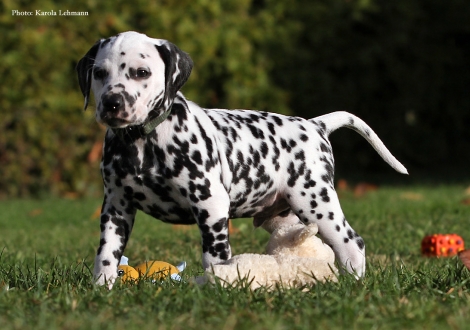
(114, 122)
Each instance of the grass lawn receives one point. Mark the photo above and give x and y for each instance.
(47, 249)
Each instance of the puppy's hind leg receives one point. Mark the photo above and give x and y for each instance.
(320, 205)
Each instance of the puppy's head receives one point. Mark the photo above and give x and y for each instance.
(132, 76)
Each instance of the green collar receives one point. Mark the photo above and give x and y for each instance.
(138, 131)
(152, 124)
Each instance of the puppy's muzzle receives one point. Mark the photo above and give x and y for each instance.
(113, 103)
(112, 111)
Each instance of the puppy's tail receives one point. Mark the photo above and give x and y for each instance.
(332, 121)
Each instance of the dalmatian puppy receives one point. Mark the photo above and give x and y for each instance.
(183, 164)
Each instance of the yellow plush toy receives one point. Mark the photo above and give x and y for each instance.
(154, 270)
(158, 270)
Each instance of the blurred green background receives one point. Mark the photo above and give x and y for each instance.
(403, 66)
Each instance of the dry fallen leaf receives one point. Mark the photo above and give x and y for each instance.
(412, 196)
(465, 257)
(465, 201)
(404, 301)
(342, 185)
(96, 214)
(95, 153)
(363, 187)
(231, 229)
(182, 227)
(70, 195)
(35, 212)
(467, 191)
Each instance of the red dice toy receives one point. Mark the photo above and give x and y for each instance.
(442, 245)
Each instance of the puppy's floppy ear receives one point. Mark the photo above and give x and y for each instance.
(85, 70)
(178, 66)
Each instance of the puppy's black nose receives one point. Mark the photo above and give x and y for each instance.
(112, 102)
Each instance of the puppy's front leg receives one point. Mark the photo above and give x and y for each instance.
(116, 226)
(212, 219)
(215, 242)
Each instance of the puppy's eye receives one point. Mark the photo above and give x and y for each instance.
(99, 74)
(142, 73)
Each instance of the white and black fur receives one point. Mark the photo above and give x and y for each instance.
(206, 166)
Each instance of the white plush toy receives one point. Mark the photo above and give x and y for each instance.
(295, 257)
